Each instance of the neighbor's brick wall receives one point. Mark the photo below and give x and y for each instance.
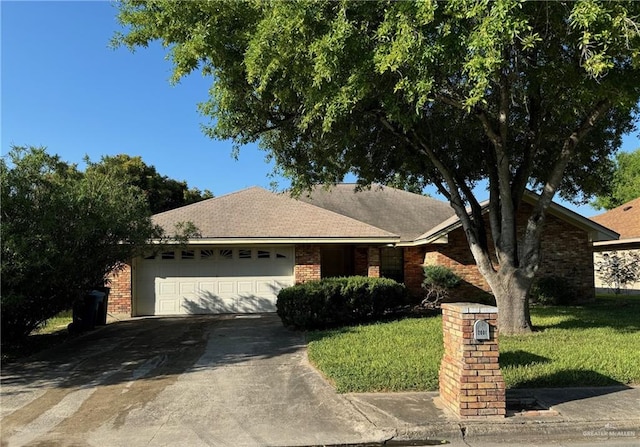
(120, 294)
(565, 251)
(470, 380)
(307, 266)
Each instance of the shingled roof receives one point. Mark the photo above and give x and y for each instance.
(258, 214)
(624, 219)
(400, 212)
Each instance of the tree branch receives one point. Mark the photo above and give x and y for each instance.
(537, 218)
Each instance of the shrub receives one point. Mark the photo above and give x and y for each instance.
(438, 281)
(338, 301)
(552, 290)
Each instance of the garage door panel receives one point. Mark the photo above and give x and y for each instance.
(245, 287)
(225, 287)
(167, 287)
(255, 304)
(188, 288)
(207, 303)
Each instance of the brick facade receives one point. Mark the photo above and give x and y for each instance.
(565, 251)
(308, 263)
(413, 275)
(120, 294)
(373, 262)
(361, 261)
(470, 380)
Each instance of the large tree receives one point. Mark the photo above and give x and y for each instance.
(625, 185)
(63, 231)
(162, 193)
(520, 94)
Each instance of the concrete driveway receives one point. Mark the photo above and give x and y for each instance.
(196, 381)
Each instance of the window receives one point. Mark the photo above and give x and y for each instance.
(168, 255)
(188, 254)
(207, 255)
(244, 253)
(264, 254)
(392, 263)
(281, 256)
(225, 253)
(152, 256)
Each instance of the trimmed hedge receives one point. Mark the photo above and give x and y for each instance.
(334, 302)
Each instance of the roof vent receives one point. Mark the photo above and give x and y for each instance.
(627, 208)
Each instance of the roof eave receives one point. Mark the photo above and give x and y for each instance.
(596, 231)
(285, 240)
(437, 238)
(620, 244)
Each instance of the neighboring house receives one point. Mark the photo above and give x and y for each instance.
(624, 220)
(254, 242)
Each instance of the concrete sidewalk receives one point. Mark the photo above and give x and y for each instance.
(586, 415)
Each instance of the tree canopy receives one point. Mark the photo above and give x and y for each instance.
(162, 192)
(62, 232)
(625, 185)
(521, 94)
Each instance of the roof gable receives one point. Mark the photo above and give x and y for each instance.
(597, 231)
(624, 219)
(256, 213)
(400, 212)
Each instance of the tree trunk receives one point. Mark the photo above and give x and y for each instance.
(511, 291)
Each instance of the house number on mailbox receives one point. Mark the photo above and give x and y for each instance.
(481, 330)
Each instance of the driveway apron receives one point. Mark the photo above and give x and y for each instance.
(196, 381)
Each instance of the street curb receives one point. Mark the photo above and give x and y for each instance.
(509, 431)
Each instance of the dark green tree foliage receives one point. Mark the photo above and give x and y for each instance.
(162, 192)
(521, 94)
(625, 185)
(62, 232)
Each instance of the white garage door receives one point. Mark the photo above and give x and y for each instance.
(213, 280)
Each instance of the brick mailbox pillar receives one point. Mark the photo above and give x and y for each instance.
(471, 383)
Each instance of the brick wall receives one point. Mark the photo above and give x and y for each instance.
(373, 262)
(413, 276)
(120, 294)
(307, 266)
(361, 261)
(470, 380)
(565, 251)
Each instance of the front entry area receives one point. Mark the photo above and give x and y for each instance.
(212, 280)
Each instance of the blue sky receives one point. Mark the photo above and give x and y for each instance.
(64, 88)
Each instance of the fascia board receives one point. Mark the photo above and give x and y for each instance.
(288, 240)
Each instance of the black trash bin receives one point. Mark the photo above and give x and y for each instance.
(103, 295)
(85, 311)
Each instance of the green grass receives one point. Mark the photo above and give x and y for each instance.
(593, 345)
(53, 333)
(55, 324)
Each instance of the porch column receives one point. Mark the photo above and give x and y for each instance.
(308, 263)
(373, 262)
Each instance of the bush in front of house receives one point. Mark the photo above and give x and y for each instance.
(552, 290)
(438, 281)
(335, 302)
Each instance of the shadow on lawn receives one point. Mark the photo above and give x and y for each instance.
(521, 358)
(572, 378)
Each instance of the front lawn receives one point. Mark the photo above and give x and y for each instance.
(593, 345)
